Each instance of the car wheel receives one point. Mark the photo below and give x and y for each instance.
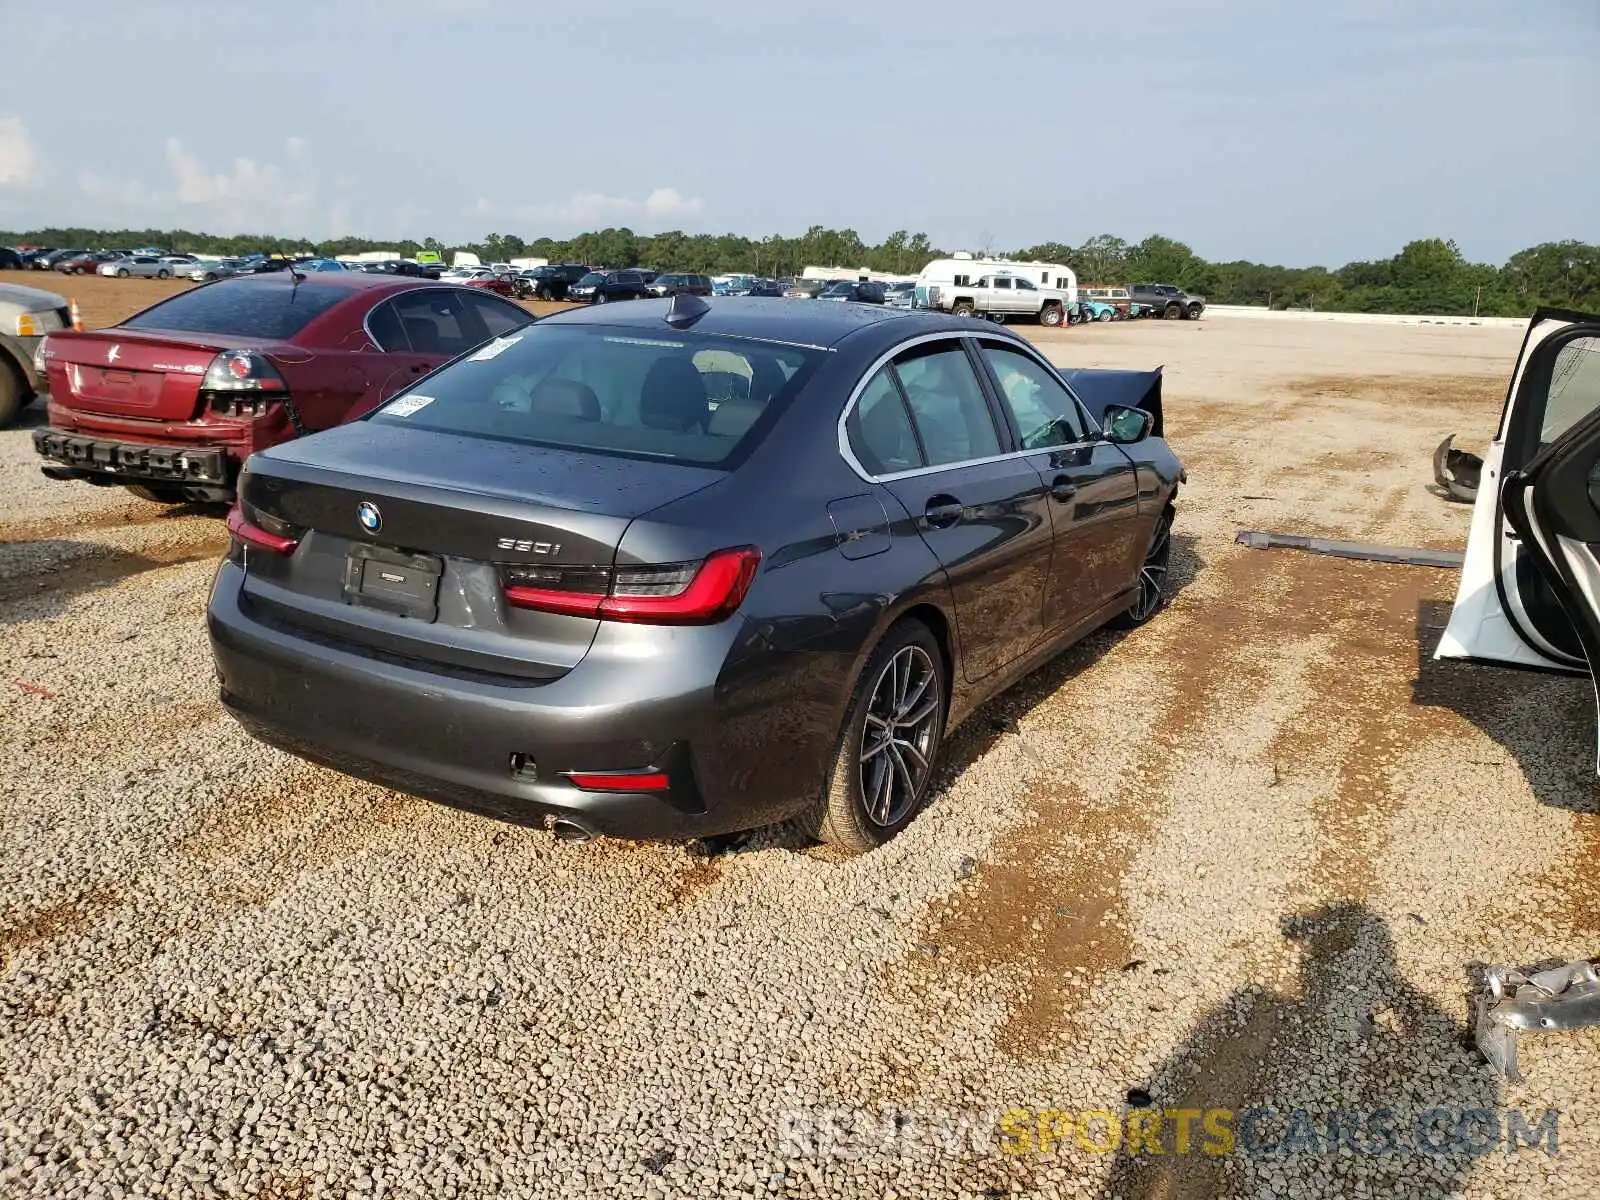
(883, 769)
(1193, 314)
(962, 308)
(599, 297)
(1173, 312)
(163, 274)
(122, 272)
(1105, 316)
(14, 394)
(1153, 576)
(156, 494)
(1050, 315)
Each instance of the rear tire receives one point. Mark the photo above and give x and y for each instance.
(156, 494)
(1173, 312)
(163, 274)
(896, 713)
(962, 308)
(14, 394)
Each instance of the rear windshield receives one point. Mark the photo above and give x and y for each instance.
(681, 397)
(247, 307)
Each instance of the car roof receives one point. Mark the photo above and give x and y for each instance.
(772, 319)
(349, 281)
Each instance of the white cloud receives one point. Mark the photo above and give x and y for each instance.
(245, 196)
(593, 210)
(20, 165)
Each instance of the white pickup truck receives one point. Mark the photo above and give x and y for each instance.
(1000, 296)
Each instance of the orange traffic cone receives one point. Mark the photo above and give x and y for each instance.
(77, 317)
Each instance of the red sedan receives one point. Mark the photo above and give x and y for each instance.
(171, 402)
(492, 281)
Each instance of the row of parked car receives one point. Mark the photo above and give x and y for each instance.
(581, 569)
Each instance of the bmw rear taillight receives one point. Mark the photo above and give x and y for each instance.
(690, 593)
(242, 383)
(247, 532)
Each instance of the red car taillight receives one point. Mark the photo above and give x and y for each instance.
(242, 530)
(701, 593)
(242, 383)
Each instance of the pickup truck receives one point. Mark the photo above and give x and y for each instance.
(1000, 296)
(1168, 301)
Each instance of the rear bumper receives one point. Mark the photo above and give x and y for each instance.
(108, 449)
(467, 741)
(70, 455)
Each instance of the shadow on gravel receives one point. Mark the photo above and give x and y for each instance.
(31, 595)
(1551, 737)
(1353, 1066)
(1000, 716)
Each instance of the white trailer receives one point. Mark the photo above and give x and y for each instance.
(964, 270)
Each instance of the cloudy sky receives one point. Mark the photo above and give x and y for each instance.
(1291, 133)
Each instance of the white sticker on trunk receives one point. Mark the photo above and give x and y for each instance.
(404, 406)
(495, 348)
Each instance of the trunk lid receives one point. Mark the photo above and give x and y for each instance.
(438, 516)
(155, 377)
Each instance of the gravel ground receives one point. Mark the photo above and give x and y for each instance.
(1245, 857)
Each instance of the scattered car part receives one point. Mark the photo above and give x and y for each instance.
(1411, 556)
(1548, 1001)
(1457, 471)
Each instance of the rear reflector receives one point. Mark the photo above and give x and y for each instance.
(619, 781)
(655, 594)
(254, 535)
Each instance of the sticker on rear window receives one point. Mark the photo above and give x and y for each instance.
(495, 348)
(404, 406)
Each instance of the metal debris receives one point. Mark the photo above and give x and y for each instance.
(1457, 471)
(1548, 1001)
(1411, 556)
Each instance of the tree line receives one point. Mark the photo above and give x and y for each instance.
(1427, 276)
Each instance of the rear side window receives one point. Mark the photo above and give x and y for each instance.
(879, 428)
(498, 317)
(439, 322)
(951, 415)
(247, 307)
(689, 398)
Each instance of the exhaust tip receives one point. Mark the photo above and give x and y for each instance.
(570, 831)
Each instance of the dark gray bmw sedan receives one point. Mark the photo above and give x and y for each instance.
(681, 568)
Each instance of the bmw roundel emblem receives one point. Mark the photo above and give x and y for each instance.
(369, 516)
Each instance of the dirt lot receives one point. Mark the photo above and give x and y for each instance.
(1246, 857)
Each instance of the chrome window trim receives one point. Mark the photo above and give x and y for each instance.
(848, 454)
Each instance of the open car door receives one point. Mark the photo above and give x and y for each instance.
(1530, 583)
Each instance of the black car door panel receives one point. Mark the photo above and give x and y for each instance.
(924, 427)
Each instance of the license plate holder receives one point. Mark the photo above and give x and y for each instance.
(393, 581)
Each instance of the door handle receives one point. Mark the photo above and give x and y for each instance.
(942, 511)
(1062, 488)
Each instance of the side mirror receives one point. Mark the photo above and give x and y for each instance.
(1125, 426)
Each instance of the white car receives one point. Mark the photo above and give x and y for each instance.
(1530, 582)
(1530, 597)
(145, 265)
